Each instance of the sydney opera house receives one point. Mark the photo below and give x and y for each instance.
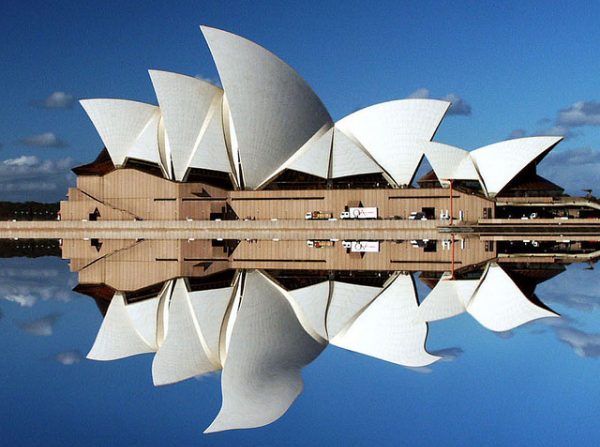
(262, 146)
(263, 153)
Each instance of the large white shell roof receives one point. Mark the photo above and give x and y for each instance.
(266, 118)
(261, 336)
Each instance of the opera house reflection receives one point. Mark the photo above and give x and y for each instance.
(260, 311)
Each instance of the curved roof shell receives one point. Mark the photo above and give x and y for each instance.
(391, 132)
(268, 348)
(128, 129)
(499, 163)
(191, 109)
(268, 119)
(273, 109)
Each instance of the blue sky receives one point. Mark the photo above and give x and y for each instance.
(517, 68)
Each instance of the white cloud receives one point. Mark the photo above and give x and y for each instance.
(46, 139)
(420, 93)
(458, 105)
(23, 160)
(23, 300)
(69, 358)
(573, 169)
(42, 327)
(56, 100)
(27, 286)
(23, 176)
(517, 133)
(583, 343)
(581, 113)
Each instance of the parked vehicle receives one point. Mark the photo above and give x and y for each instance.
(370, 212)
(320, 244)
(318, 215)
(361, 246)
(417, 215)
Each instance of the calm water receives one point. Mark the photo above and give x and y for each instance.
(537, 384)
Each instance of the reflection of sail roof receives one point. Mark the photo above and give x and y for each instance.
(268, 348)
(495, 301)
(274, 110)
(345, 303)
(118, 337)
(128, 129)
(500, 162)
(209, 308)
(183, 353)
(391, 131)
(447, 299)
(311, 303)
(387, 328)
(191, 110)
(499, 305)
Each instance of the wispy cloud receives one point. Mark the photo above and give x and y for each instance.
(21, 176)
(458, 105)
(23, 300)
(557, 130)
(42, 327)
(69, 358)
(581, 113)
(26, 286)
(56, 100)
(583, 343)
(574, 169)
(568, 120)
(46, 139)
(448, 354)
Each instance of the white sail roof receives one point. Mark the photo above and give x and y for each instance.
(350, 158)
(117, 337)
(310, 304)
(449, 162)
(500, 162)
(387, 328)
(346, 301)
(268, 348)
(447, 299)
(144, 316)
(209, 308)
(391, 132)
(274, 111)
(128, 129)
(313, 157)
(184, 353)
(188, 106)
(499, 305)
(494, 300)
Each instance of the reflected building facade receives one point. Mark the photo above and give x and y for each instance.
(197, 310)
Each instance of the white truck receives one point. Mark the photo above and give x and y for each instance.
(368, 212)
(361, 246)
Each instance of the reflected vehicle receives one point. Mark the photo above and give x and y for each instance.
(260, 326)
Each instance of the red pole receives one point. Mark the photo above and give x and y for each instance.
(452, 248)
(451, 207)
